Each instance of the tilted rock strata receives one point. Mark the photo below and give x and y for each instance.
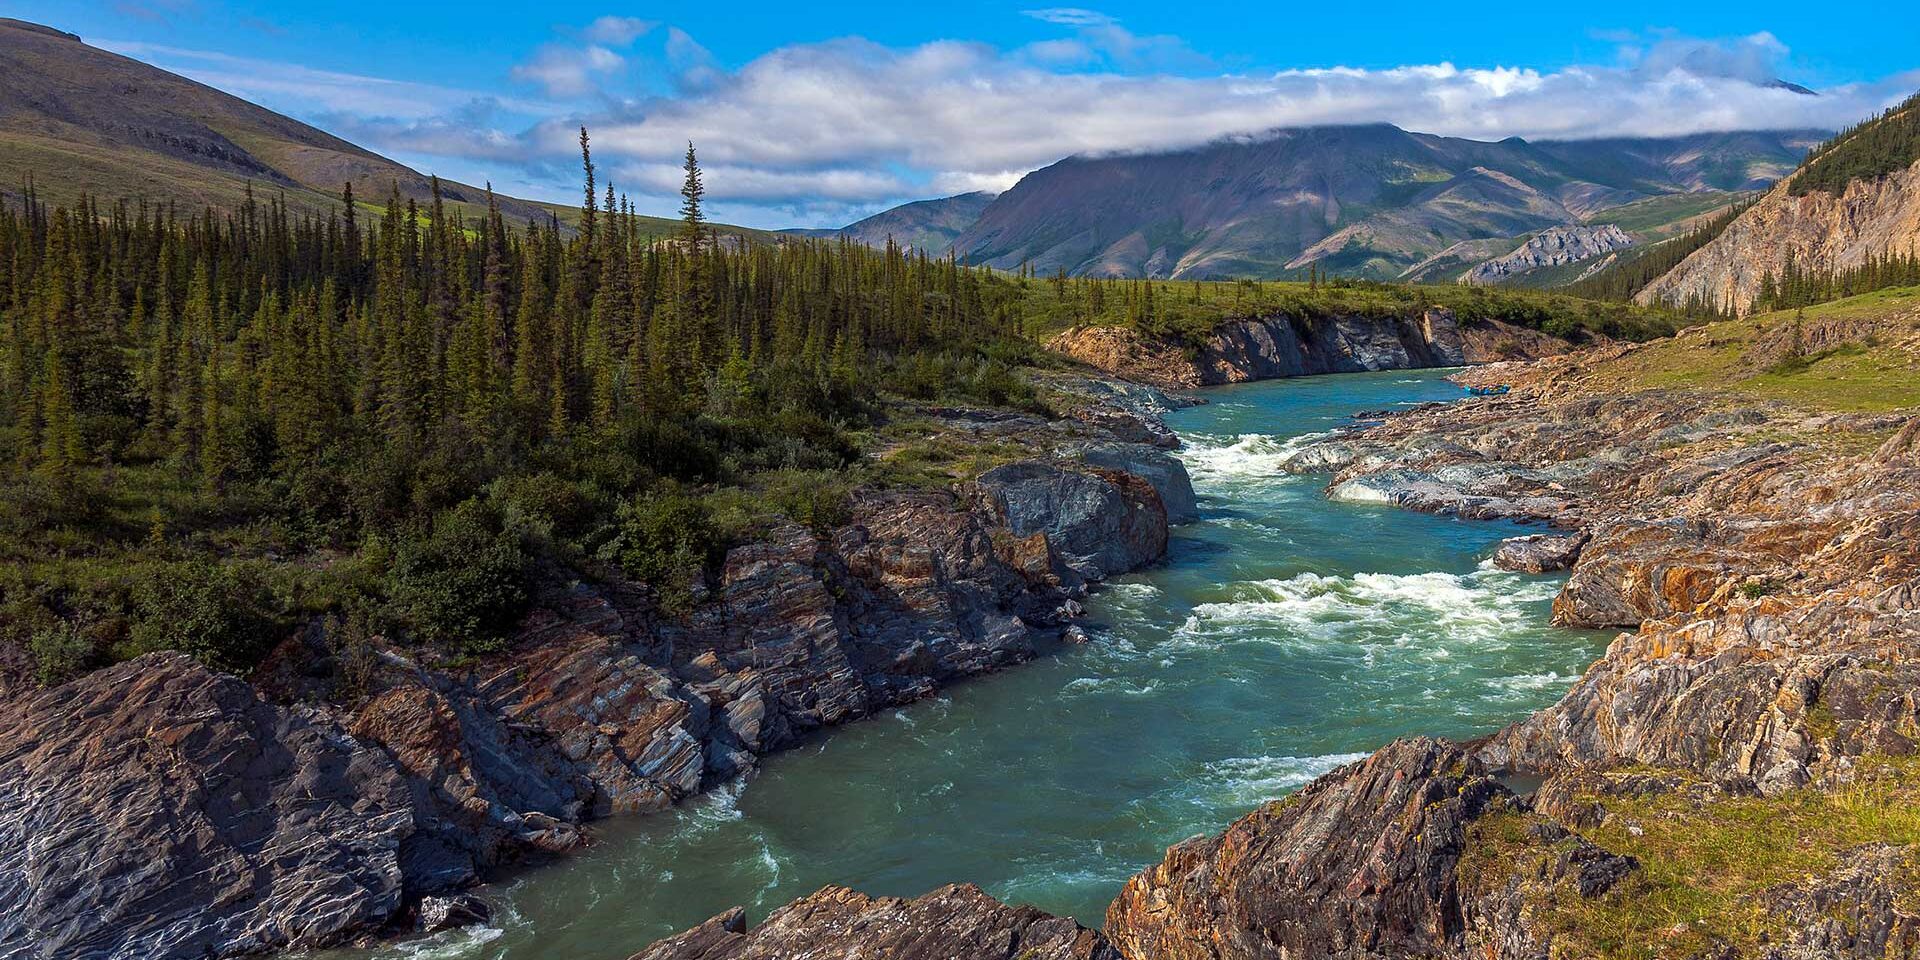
(1775, 583)
(1819, 231)
(1364, 862)
(952, 923)
(1552, 247)
(1265, 348)
(164, 810)
(158, 809)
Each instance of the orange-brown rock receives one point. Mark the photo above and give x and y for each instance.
(956, 922)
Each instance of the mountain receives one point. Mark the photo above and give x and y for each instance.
(77, 118)
(1855, 200)
(929, 225)
(1370, 200)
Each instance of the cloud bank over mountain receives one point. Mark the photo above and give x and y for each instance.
(826, 132)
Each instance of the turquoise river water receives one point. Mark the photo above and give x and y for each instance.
(1285, 635)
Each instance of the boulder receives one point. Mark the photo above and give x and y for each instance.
(1166, 473)
(1100, 522)
(957, 922)
(1540, 553)
(445, 913)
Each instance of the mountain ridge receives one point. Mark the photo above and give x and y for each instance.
(80, 119)
(1366, 199)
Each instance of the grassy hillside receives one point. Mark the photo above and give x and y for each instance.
(1861, 353)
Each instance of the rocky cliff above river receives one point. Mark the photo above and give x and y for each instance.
(164, 810)
(1264, 348)
(1727, 781)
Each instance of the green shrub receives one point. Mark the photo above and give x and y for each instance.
(462, 586)
(61, 652)
(669, 540)
(218, 612)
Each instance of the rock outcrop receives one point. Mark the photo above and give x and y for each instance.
(1552, 247)
(957, 922)
(1539, 553)
(1771, 575)
(1364, 862)
(1265, 348)
(159, 809)
(1821, 232)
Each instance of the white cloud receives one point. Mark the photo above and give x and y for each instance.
(1070, 16)
(846, 125)
(618, 31)
(565, 71)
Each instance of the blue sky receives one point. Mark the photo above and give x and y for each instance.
(815, 114)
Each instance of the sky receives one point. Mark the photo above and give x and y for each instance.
(809, 114)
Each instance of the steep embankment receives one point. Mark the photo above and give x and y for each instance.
(1734, 778)
(1821, 232)
(1264, 348)
(1853, 201)
(198, 814)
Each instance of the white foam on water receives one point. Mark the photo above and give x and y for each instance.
(1530, 683)
(1249, 455)
(1471, 607)
(1241, 782)
(1107, 686)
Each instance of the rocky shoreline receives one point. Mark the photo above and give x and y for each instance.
(163, 809)
(1765, 557)
(1731, 779)
(1270, 347)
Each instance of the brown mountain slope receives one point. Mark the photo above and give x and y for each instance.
(76, 119)
(1369, 200)
(1823, 231)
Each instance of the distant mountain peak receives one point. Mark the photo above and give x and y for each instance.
(1791, 87)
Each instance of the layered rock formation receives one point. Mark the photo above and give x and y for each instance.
(1265, 348)
(1552, 247)
(1819, 231)
(953, 923)
(1774, 576)
(160, 809)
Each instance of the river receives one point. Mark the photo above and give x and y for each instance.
(1284, 636)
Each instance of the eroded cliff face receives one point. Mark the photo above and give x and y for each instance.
(198, 814)
(1768, 558)
(1820, 231)
(1266, 348)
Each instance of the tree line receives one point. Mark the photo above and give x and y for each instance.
(193, 406)
(1867, 151)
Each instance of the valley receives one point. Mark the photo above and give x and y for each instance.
(1223, 524)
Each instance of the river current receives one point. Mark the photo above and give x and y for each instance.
(1284, 636)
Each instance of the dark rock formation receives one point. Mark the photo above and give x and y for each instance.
(1166, 473)
(1359, 863)
(1100, 522)
(1539, 553)
(445, 913)
(952, 923)
(158, 809)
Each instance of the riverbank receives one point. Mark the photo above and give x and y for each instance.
(345, 792)
(1733, 778)
(1284, 636)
